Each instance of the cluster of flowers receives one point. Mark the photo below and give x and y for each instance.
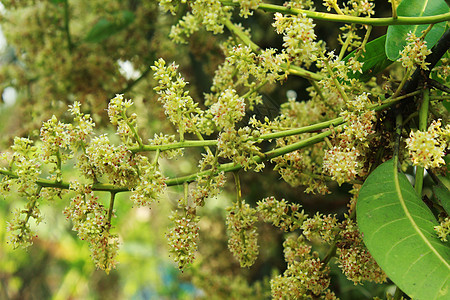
(183, 237)
(246, 7)
(92, 222)
(242, 68)
(26, 162)
(179, 107)
(242, 233)
(284, 215)
(353, 257)
(126, 125)
(298, 36)
(352, 7)
(305, 277)
(346, 160)
(239, 146)
(414, 53)
(427, 149)
(207, 185)
(210, 14)
(300, 167)
(165, 139)
(98, 160)
(443, 230)
(21, 234)
(229, 109)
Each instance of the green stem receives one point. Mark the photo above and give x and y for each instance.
(156, 158)
(242, 36)
(346, 43)
(398, 135)
(184, 144)
(336, 82)
(423, 124)
(351, 19)
(297, 71)
(402, 83)
(111, 208)
(133, 130)
(58, 165)
(337, 8)
(32, 204)
(394, 9)
(238, 188)
(366, 37)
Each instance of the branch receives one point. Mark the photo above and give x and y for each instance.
(228, 167)
(351, 19)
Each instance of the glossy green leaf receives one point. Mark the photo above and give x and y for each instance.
(396, 34)
(397, 228)
(375, 59)
(105, 28)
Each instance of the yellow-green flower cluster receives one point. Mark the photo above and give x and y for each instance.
(26, 161)
(115, 162)
(242, 234)
(150, 184)
(306, 277)
(342, 163)
(183, 238)
(210, 14)
(346, 161)
(247, 6)
(178, 105)
(207, 187)
(427, 149)
(354, 259)
(165, 139)
(90, 219)
(229, 109)
(443, 229)
(238, 146)
(20, 232)
(298, 36)
(284, 215)
(126, 125)
(244, 68)
(414, 53)
(321, 227)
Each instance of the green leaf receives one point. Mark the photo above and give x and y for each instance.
(397, 228)
(104, 28)
(396, 34)
(443, 195)
(375, 59)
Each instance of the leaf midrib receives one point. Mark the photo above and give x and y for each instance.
(413, 223)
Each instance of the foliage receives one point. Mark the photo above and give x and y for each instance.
(368, 107)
